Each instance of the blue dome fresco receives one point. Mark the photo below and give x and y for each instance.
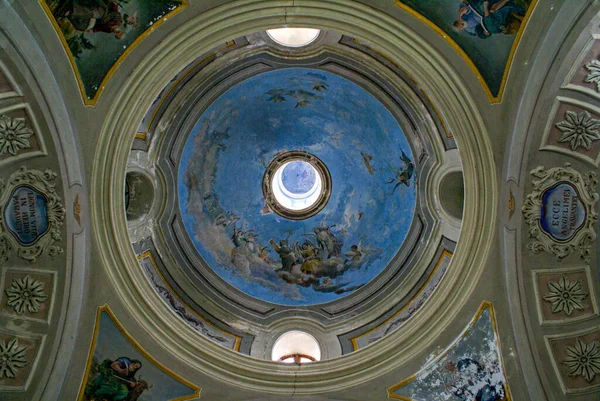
(321, 258)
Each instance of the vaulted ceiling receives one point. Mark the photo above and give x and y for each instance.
(452, 251)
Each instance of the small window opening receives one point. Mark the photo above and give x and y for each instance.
(296, 347)
(293, 37)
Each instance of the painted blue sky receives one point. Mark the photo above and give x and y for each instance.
(224, 160)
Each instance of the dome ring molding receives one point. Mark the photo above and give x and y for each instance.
(403, 46)
(323, 175)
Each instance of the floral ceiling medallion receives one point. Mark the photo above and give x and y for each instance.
(583, 360)
(12, 357)
(565, 295)
(579, 129)
(594, 76)
(14, 135)
(26, 294)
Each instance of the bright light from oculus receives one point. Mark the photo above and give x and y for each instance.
(293, 37)
(296, 347)
(296, 185)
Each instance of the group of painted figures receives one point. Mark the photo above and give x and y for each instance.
(115, 381)
(311, 263)
(93, 16)
(484, 18)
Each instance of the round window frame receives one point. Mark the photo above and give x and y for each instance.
(271, 175)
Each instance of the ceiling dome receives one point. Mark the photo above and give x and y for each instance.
(208, 248)
(306, 260)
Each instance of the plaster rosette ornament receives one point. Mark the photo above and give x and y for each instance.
(26, 295)
(12, 358)
(594, 73)
(579, 129)
(470, 369)
(583, 360)
(32, 215)
(560, 211)
(573, 129)
(576, 360)
(14, 135)
(565, 296)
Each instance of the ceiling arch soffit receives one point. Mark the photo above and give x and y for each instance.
(555, 237)
(394, 40)
(43, 234)
(503, 28)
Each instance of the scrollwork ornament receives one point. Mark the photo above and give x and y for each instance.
(576, 215)
(34, 184)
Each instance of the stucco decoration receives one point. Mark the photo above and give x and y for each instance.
(12, 358)
(579, 129)
(593, 66)
(576, 360)
(117, 363)
(32, 215)
(18, 353)
(470, 369)
(573, 129)
(314, 259)
(584, 75)
(77, 209)
(560, 211)
(20, 136)
(583, 359)
(486, 42)
(565, 296)
(165, 292)
(14, 135)
(98, 35)
(26, 295)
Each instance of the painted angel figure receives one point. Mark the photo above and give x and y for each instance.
(403, 175)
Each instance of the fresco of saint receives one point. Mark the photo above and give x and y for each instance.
(115, 380)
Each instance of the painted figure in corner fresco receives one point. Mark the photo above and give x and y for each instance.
(98, 32)
(486, 18)
(77, 17)
(115, 381)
